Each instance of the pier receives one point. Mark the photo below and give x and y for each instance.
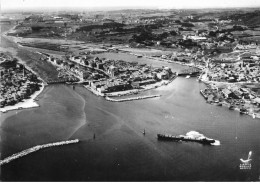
(131, 99)
(34, 149)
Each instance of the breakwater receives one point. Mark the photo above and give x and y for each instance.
(34, 149)
(131, 99)
(191, 71)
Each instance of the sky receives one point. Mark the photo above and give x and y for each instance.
(90, 4)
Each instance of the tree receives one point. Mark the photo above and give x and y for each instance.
(173, 33)
(212, 34)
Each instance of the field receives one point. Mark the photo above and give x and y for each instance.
(253, 32)
(147, 52)
(251, 39)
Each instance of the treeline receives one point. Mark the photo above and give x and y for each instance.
(149, 36)
(104, 26)
(246, 18)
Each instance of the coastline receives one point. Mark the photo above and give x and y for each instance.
(225, 104)
(27, 103)
(132, 91)
(31, 103)
(14, 52)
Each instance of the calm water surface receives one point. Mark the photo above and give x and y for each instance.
(120, 151)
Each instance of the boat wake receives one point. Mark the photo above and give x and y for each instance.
(197, 135)
(247, 161)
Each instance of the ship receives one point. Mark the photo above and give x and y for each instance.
(204, 140)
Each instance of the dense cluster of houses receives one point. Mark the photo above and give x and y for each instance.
(17, 84)
(106, 76)
(234, 97)
(246, 70)
(127, 80)
(81, 67)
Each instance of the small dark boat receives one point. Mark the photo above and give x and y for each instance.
(243, 111)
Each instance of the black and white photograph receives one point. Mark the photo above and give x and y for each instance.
(130, 91)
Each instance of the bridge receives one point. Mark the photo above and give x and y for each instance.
(190, 71)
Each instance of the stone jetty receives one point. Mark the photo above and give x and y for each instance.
(34, 149)
(132, 98)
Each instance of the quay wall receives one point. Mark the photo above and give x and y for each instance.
(131, 99)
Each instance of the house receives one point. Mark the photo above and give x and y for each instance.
(163, 75)
(75, 59)
(100, 65)
(112, 70)
(257, 101)
(210, 98)
(226, 92)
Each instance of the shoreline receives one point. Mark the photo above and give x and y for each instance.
(132, 91)
(225, 104)
(14, 53)
(26, 104)
(113, 94)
